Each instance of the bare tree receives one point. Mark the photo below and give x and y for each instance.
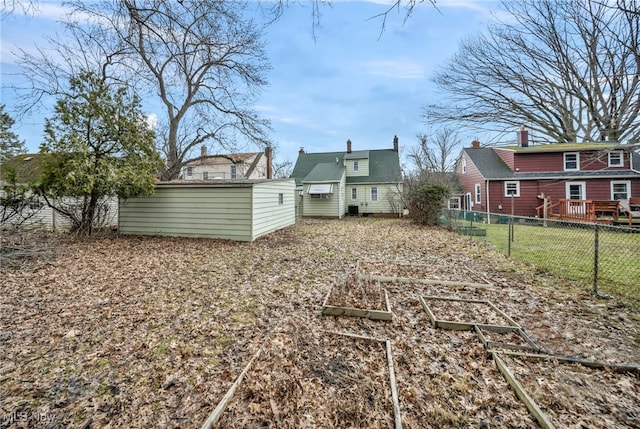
(435, 156)
(203, 61)
(568, 69)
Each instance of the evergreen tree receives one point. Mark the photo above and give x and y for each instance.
(10, 144)
(99, 146)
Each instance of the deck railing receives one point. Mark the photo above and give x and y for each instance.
(580, 210)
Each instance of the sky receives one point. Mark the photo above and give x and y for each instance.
(350, 81)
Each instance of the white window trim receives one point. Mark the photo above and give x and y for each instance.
(356, 166)
(619, 152)
(464, 165)
(457, 201)
(354, 198)
(233, 171)
(517, 183)
(564, 160)
(584, 189)
(374, 200)
(617, 182)
(477, 194)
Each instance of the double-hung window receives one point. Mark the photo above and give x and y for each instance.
(478, 199)
(354, 193)
(620, 189)
(512, 189)
(374, 194)
(571, 161)
(616, 158)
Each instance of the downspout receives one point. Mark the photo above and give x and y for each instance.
(488, 205)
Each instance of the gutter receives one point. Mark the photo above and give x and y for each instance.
(488, 203)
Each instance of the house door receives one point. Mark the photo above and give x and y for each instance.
(467, 202)
(576, 191)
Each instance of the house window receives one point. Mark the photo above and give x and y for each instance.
(571, 161)
(356, 166)
(234, 172)
(620, 189)
(374, 194)
(205, 175)
(189, 171)
(512, 189)
(281, 199)
(454, 203)
(616, 158)
(478, 193)
(354, 193)
(575, 190)
(464, 165)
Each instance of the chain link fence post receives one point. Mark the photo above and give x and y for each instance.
(596, 238)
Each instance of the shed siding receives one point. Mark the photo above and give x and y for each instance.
(268, 214)
(191, 212)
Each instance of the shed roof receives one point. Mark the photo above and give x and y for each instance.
(488, 163)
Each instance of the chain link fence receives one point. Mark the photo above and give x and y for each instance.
(603, 258)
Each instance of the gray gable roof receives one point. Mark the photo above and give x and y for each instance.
(384, 166)
(488, 163)
(325, 172)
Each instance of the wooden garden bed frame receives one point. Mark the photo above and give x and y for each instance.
(334, 310)
(397, 416)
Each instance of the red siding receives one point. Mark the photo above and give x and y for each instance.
(508, 156)
(554, 161)
(468, 181)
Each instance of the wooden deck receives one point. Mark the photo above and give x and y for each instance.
(611, 212)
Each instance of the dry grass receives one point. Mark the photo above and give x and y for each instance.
(142, 332)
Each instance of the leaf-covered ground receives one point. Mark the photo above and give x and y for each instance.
(139, 332)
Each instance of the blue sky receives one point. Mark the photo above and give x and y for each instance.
(351, 82)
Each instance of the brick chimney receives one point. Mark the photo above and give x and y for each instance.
(301, 151)
(203, 151)
(523, 137)
(395, 143)
(268, 152)
(348, 146)
(475, 143)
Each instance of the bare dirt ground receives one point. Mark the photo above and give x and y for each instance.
(140, 332)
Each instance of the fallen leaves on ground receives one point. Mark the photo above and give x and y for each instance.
(137, 332)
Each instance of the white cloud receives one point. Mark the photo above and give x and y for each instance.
(395, 69)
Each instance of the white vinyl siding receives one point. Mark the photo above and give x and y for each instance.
(389, 200)
(363, 167)
(240, 213)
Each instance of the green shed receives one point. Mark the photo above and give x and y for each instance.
(240, 210)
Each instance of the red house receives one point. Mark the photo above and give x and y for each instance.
(575, 181)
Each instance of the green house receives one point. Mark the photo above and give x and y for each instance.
(357, 183)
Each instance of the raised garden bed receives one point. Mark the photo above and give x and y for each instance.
(358, 298)
(314, 379)
(462, 314)
(575, 395)
(419, 273)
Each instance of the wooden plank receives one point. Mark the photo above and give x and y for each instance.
(524, 396)
(616, 367)
(334, 310)
(427, 310)
(503, 314)
(356, 312)
(387, 279)
(217, 413)
(394, 389)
